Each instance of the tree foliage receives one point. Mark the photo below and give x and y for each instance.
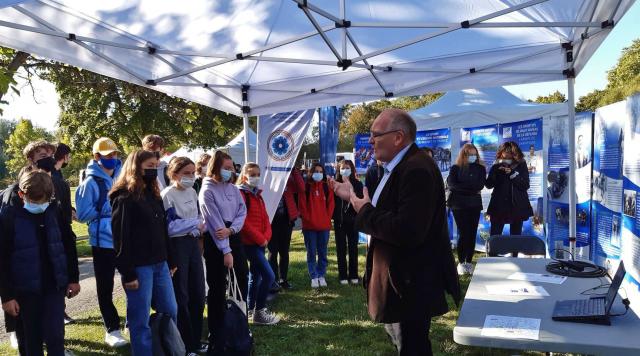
(553, 98)
(23, 133)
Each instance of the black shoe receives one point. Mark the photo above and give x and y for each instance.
(275, 288)
(68, 319)
(286, 285)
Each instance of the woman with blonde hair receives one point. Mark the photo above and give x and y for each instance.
(141, 242)
(465, 181)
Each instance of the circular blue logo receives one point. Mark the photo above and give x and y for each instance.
(280, 144)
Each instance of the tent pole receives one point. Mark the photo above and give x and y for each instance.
(572, 155)
(245, 128)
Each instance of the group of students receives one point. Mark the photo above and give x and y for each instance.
(154, 222)
(509, 204)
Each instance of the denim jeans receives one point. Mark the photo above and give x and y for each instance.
(154, 283)
(316, 243)
(261, 277)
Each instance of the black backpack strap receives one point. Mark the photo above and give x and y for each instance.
(325, 186)
(246, 198)
(102, 198)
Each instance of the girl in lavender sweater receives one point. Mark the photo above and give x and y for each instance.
(224, 211)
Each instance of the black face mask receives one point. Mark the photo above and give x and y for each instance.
(150, 175)
(46, 164)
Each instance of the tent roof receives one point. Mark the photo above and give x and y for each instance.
(238, 141)
(289, 55)
(476, 107)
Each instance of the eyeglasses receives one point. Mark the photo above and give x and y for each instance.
(380, 134)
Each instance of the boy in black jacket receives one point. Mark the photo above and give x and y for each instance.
(39, 268)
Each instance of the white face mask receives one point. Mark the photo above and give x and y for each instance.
(187, 182)
(253, 181)
(507, 161)
(473, 158)
(345, 172)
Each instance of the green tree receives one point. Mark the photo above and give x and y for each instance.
(627, 68)
(23, 133)
(553, 98)
(6, 128)
(10, 62)
(590, 102)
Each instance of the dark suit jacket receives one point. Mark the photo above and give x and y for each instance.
(409, 262)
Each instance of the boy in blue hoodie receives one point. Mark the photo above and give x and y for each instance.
(93, 208)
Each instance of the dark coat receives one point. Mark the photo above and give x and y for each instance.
(372, 178)
(344, 212)
(509, 199)
(409, 263)
(465, 185)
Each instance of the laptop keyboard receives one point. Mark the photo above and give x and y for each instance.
(593, 306)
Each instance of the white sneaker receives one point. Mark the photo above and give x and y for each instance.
(69, 353)
(344, 281)
(322, 281)
(315, 283)
(115, 339)
(13, 340)
(461, 269)
(355, 281)
(264, 317)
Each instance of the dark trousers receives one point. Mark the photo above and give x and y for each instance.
(104, 267)
(188, 285)
(467, 224)
(41, 320)
(411, 337)
(9, 323)
(281, 229)
(515, 228)
(346, 241)
(217, 282)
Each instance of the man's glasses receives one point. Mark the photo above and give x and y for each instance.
(380, 134)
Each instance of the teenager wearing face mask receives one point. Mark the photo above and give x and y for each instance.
(201, 170)
(224, 212)
(39, 266)
(255, 235)
(316, 209)
(156, 144)
(509, 178)
(93, 208)
(143, 256)
(465, 181)
(343, 222)
(185, 228)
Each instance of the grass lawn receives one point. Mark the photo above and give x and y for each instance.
(331, 321)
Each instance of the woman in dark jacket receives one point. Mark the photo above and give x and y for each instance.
(465, 181)
(141, 242)
(509, 178)
(343, 222)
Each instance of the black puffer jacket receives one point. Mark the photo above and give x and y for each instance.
(509, 200)
(465, 184)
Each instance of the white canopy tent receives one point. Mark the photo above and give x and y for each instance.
(235, 148)
(253, 58)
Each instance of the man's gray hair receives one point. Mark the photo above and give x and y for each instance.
(401, 120)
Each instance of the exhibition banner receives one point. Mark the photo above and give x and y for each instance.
(607, 183)
(363, 153)
(631, 183)
(440, 142)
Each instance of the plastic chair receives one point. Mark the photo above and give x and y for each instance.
(498, 245)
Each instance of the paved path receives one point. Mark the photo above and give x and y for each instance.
(87, 300)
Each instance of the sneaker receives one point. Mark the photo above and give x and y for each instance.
(275, 288)
(315, 283)
(355, 281)
(13, 340)
(264, 317)
(461, 269)
(285, 284)
(468, 267)
(322, 282)
(68, 319)
(344, 281)
(203, 348)
(115, 339)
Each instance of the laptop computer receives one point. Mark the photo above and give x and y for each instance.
(594, 310)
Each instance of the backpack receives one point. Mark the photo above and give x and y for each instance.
(238, 337)
(165, 337)
(102, 198)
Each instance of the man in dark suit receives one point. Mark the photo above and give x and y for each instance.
(410, 265)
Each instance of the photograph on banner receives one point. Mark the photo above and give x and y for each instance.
(363, 155)
(487, 140)
(528, 135)
(439, 141)
(630, 214)
(280, 137)
(607, 183)
(557, 181)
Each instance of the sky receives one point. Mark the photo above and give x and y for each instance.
(42, 105)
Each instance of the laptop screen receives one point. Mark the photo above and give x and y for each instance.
(615, 285)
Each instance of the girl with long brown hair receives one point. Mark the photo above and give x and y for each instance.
(465, 181)
(344, 225)
(142, 248)
(509, 178)
(224, 212)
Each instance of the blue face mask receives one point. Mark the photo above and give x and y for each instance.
(108, 163)
(345, 172)
(473, 158)
(317, 176)
(226, 175)
(35, 208)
